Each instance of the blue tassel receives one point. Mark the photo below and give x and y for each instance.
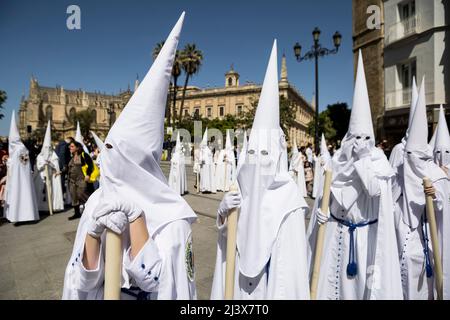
(429, 271)
(352, 269)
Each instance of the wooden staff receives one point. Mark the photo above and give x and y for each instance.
(113, 266)
(434, 241)
(48, 186)
(231, 250)
(320, 236)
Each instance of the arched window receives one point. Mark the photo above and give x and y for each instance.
(45, 97)
(230, 81)
(49, 113)
(72, 114)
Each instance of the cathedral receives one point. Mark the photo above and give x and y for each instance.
(60, 105)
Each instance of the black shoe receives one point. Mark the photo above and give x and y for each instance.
(75, 216)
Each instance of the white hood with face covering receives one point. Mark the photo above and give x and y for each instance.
(346, 185)
(98, 141)
(417, 164)
(442, 144)
(130, 160)
(79, 138)
(47, 149)
(265, 186)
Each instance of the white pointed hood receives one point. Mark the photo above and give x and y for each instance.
(361, 117)
(14, 142)
(266, 190)
(204, 142)
(324, 153)
(414, 97)
(295, 156)
(47, 149)
(100, 144)
(243, 152)
(442, 145)
(229, 150)
(417, 137)
(178, 143)
(79, 138)
(133, 147)
(360, 131)
(417, 164)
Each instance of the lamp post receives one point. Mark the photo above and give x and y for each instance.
(317, 51)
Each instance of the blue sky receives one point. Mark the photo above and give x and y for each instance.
(117, 37)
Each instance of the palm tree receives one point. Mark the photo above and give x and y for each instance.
(176, 72)
(191, 60)
(2, 100)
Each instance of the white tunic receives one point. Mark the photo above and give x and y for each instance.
(41, 189)
(163, 267)
(20, 199)
(284, 276)
(207, 179)
(177, 176)
(411, 245)
(378, 269)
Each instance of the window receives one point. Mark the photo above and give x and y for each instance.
(72, 114)
(45, 97)
(407, 72)
(407, 10)
(196, 112)
(239, 110)
(186, 112)
(230, 81)
(209, 112)
(49, 113)
(221, 111)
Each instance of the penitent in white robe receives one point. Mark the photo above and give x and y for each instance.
(367, 198)
(284, 276)
(297, 171)
(177, 176)
(40, 185)
(20, 199)
(163, 268)
(207, 179)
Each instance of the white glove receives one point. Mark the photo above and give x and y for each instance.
(321, 217)
(361, 148)
(230, 201)
(110, 205)
(115, 221)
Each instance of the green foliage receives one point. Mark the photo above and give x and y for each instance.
(3, 98)
(86, 119)
(333, 122)
(287, 115)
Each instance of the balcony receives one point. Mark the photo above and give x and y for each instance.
(403, 29)
(398, 99)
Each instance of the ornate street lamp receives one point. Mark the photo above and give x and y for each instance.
(317, 51)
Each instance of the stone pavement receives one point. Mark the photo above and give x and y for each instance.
(33, 256)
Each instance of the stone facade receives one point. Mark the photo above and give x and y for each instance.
(235, 99)
(59, 105)
(371, 43)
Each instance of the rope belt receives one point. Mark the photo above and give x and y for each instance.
(426, 251)
(352, 267)
(139, 295)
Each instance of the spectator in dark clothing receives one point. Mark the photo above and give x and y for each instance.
(63, 153)
(80, 186)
